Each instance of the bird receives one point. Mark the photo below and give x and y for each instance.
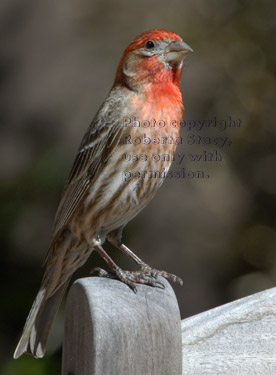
(114, 175)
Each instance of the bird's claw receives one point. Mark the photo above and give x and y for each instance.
(119, 274)
(104, 273)
(155, 273)
(146, 276)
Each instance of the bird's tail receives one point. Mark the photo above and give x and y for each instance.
(37, 327)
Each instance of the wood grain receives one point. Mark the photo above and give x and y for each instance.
(111, 330)
(238, 338)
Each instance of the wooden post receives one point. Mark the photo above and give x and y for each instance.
(238, 338)
(110, 330)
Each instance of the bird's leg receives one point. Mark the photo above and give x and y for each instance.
(127, 277)
(115, 239)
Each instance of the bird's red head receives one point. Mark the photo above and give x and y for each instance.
(154, 57)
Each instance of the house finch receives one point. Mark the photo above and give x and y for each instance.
(121, 162)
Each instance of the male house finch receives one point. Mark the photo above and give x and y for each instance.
(98, 199)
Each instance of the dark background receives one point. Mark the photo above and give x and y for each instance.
(57, 64)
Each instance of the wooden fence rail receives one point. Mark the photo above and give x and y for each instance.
(109, 330)
(238, 338)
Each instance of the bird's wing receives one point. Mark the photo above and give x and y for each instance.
(101, 138)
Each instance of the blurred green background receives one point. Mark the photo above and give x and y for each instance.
(57, 64)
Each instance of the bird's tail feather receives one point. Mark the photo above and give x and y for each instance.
(37, 327)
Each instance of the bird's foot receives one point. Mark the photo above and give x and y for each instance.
(145, 268)
(130, 277)
(146, 276)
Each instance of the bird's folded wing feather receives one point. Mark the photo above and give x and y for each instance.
(101, 138)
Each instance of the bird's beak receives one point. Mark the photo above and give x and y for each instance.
(176, 51)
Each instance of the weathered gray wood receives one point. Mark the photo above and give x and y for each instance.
(234, 339)
(110, 330)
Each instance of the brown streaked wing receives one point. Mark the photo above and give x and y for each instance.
(96, 147)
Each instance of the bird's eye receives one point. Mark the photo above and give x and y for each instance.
(150, 44)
